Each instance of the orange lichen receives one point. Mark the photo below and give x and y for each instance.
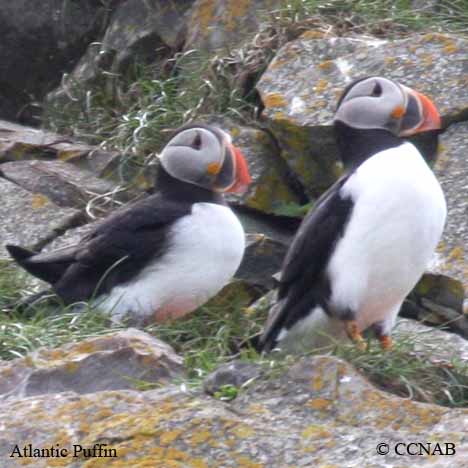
(39, 201)
(274, 100)
(319, 404)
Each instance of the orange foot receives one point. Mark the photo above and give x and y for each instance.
(354, 334)
(386, 342)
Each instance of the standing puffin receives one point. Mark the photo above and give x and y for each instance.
(369, 238)
(167, 254)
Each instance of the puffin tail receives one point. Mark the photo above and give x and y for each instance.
(45, 267)
(268, 340)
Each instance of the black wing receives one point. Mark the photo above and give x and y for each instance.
(303, 282)
(111, 254)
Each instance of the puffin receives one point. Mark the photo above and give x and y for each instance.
(368, 239)
(167, 254)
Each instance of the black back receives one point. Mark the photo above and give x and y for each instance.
(304, 283)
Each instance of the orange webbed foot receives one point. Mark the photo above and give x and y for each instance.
(354, 334)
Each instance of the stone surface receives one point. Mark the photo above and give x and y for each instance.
(263, 258)
(38, 45)
(64, 184)
(318, 413)
(437, 300)
(278, 229)
(236, 374)
(123, 360)
(31, 220)
(18, 142)
(322, 67)
(138, 32)
(272, 184)
(300, 111)
(431, 343)
(216, 25)
(452, 171)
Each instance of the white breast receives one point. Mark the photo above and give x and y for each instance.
(397, 220)
(206, 248)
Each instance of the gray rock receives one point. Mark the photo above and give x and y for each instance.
(123, 360)
(138, 32)
(216, 25)
(31, 220)
(236, 374)
(263, 257)
(38, 44)
(272, 185)
(18, 142)
(64, 184)
(319, 412)
(437, 300)
(432, 343)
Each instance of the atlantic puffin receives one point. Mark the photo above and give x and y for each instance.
(368, 239)
(165, 255)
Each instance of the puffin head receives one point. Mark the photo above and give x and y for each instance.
(379, 103)
(203, 155)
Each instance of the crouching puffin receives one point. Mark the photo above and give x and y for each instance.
(368, 239)
(167, 254)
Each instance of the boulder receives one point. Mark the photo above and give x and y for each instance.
(236, 374)
(263, 258)
(222, 25)
(138, 32)
(430, 343)
(127, 359)
(38, 44)
(18, 142)
(300, 111)
(318, 412)
(273, 186)
(63, 183)
(31, 220)
(437, 300)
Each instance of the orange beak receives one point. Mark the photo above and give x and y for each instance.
(429, 118)
(242, 178)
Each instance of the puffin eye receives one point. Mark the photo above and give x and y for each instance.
(197, 142)
(377, 91)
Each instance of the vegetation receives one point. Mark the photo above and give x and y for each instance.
(221, 331)
(133, 112)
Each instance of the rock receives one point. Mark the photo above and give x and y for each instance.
(280, 229)
(38, 45)
(319, 412)
(18, 142)
(263, 258)
(272, 186)
(437, 300)
(64, 184)
(300, 112)
(139, 32)
(235, 374)
(430, 343)
(452, 171)
(216, 25)
(31, 220)
(237, 293)
(124, 360)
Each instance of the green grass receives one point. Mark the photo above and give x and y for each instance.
(217, 333)
(381, 18)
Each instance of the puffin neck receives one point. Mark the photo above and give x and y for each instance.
(178, 190)
(357, 145)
